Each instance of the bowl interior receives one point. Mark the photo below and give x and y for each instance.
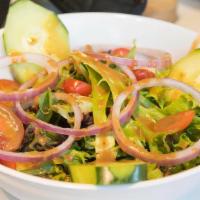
(122, 29)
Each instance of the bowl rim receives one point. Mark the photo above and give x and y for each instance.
(131, 16)
(74, 186)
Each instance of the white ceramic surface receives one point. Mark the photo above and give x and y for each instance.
(113, 29)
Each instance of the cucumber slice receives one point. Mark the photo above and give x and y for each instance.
(109, 173)
(83, 174)
(128, 173)
(23, 72)
(32, 28)
(187, 69)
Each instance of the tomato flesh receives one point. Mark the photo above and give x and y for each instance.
(8, 164)
(8, 85)
(174, 123)
(11, 130)
(143, 74)
(77, 86)
(120, 52)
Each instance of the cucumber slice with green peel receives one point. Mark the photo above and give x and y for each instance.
(187, 69)
(32, 28)
(23, 72)
(83, 174)
(108, 173)
(128, 173)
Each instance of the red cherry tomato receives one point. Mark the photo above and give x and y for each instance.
(8, 86)
(8, 164)
(120, 52)
(143, 74)
(170, 124)
(11, 130)
(77, 86)
(175, 123)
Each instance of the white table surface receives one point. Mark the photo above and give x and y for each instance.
(189, 17)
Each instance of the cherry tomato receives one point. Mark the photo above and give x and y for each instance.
(143, 74)
(8, 164)
(174, 123)
(77, 86)
(11, 130)
(20, 165)
(120, 52)
(8, 86)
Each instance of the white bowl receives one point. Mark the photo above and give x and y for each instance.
(112, 29)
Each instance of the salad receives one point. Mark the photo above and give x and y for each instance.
(97, 115)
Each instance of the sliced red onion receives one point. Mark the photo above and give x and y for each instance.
(147, 61)
(124, 68)
(37, 156)
(63, 63)
(151, 69)
(71, 100)
(128, 72)
(52, 153)
(92, 130)
(144, 57)
(49, 65)
(154, 58)
(139, 152)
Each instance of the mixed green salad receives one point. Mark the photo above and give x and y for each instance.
(100, 115)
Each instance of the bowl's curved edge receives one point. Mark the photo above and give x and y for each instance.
(74, 186)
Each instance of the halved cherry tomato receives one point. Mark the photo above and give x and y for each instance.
(8, 86)
(120, 52)
(8, 164)
(142, 74)
(174, 123)
(11, 129)
(20, 165)
(77, 86)
(170, 124)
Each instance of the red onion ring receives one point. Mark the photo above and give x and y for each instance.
(63, 63)
(71, 100)
(124, 68)
(159, 63)
(44, 61)
(92, 130)
(37, 156)
(144, 57)
(139, 152)
(54, 152)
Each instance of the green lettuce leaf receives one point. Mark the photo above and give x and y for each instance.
(131, 131)
(154, 172)
(132, 51)
(116, 80)
(183, 103)
(50, 170)
(64, 73)
(45, 102)
(65, 111)
(100, 94)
